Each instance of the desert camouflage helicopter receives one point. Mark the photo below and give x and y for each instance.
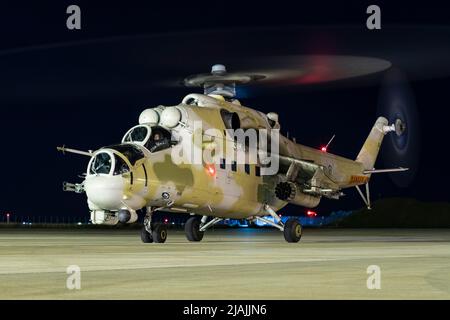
(141, 172)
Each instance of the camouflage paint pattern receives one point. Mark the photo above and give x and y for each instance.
(158, 182)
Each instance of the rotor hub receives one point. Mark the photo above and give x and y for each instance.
(220, 82)
(218, 69)
(400, 127)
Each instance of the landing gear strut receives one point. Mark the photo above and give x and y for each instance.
(292, 229)
(146, 236)
(152, 232)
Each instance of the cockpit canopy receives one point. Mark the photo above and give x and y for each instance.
(101, 163)
(154, 138)
(130, 151)
(107, 162)
(137, 134)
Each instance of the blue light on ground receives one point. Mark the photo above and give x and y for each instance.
(304, 221)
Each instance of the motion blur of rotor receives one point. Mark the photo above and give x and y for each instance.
(397, 104)
(260, 74)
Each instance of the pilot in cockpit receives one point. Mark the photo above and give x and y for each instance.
(154, 138)
(158, 142)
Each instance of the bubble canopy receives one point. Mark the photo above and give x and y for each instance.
(138, 134)
(107, 162)
(153, 138)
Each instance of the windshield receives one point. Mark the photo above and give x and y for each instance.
(101, 164)
(136, 134)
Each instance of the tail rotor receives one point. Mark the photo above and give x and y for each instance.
(401, 148)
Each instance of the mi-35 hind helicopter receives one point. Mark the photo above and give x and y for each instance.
(139, 173)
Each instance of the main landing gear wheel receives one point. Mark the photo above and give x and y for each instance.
(192, 229)
(146, 237)
(159, 233)
(292, 230)
(152, 232)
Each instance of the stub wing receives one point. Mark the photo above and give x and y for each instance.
(311, 177)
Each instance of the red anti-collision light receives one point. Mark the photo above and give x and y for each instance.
(211, 169)
(324, 149)
(311, 213)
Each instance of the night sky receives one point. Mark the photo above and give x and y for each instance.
(85, 88)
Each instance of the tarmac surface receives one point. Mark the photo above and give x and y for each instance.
(227, 264)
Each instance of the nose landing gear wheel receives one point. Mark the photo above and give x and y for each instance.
(159, 233)
(146, 237)
(292, 230)
(192, 229)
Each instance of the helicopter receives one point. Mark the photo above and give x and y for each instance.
(214, 159)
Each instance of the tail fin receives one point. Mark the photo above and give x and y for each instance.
(369, 151)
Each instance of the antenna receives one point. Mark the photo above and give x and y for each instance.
(324, 149)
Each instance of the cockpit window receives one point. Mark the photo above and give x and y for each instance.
(120, 167)
(160, 139)
(130, 151)
(101, 164)
(136, 134)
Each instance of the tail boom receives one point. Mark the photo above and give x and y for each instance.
(371, 147)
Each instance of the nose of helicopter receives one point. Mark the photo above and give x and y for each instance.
(105, 191)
